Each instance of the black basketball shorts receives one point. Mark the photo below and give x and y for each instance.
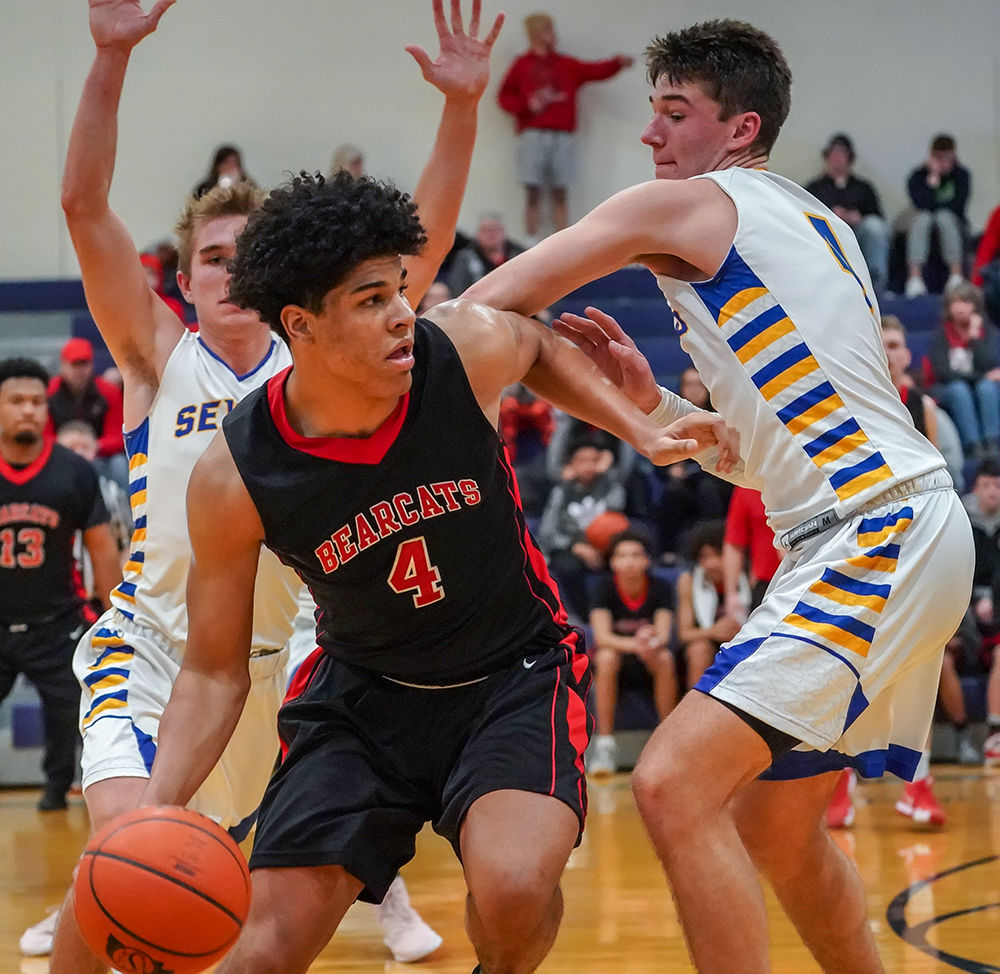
(367, 761)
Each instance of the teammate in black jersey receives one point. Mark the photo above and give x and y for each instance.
(448, 686)
(47, 494)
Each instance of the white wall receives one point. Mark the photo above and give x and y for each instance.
(288, 80)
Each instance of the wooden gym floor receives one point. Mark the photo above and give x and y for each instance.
(934, 896)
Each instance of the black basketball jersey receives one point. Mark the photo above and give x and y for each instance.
(412, 541)
(629, 615)
(42, 506)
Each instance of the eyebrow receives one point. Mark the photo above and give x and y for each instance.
(375, 285)
(655, 98)
(210, 248)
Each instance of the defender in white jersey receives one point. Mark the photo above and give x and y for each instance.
(178, 388)
(839, 666)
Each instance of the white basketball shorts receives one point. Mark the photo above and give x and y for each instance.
(126, 672)
(844, 654)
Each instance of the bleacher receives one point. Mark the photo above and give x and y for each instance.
(36, 318)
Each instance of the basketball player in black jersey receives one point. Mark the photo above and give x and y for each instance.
(447, 686)
(47, 494)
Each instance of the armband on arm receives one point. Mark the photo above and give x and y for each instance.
(672, 408)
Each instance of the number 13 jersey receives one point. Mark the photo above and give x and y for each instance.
(412, 541)
(786, 337)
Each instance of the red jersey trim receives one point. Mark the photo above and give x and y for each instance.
(345, 449)
(29, 472)
(633, 605)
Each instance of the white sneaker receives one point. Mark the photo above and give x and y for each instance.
(404, 932)
(968, 753)
(604, 760)
(953, 281)
(991, 751)
(914, 287)
(36, 941)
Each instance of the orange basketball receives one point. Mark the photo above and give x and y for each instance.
(603, 528)
(161, 891)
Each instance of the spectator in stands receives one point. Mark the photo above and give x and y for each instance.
(47, 494)
(703, 621)
(856, 202)
(747, 533)
(79, 437)
(526, 424)
(934, 423)
(76, 393)
(589, 488)
(226, 170)
(490, 248)
(688, 495)
(631, 615)
(435, 294)
(963, 368)
(986, 266)
(350, 158)
(983, 505)
(939, 191)
(540, 91)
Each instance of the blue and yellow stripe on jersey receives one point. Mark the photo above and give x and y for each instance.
(840, 611)
(137, 447)
(787, 375)
(107, 677)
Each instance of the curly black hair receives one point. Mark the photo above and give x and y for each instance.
(739, 66)
(22, 368)
(311, 233)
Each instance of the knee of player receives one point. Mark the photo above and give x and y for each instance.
(513, 904)
(607, 662)
(662, 789)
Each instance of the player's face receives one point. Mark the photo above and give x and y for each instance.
(629, 559)
(987, 491)
(364, 331)
(24, 410)
(214, 245)
(685, 133)
(710, 560)
(896, 352)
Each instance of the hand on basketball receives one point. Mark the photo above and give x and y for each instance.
(462, 68)
(604, 342)
(122, 24)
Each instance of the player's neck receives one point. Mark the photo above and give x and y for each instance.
(742, 159)
(317, 408)
(242, 348)
(21, 454)
(631, 587)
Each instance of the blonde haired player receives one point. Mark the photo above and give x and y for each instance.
(178, 387)
(838, 667)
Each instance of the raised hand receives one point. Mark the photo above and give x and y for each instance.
(121, 24)
(462, 68)
(604, 342)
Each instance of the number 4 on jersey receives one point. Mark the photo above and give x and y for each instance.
(413, 572)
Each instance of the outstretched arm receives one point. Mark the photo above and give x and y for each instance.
(137, 327)
(211, 688)
(665, 224)
(460, 73)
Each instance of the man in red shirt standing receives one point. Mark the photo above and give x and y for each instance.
(76, 393)
(540, 92)
(747, 531)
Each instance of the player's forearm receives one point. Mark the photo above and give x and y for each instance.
(197, 723)
(93, 141)
(441, 186)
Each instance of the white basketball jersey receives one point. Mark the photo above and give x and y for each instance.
(197, 389)
(786, 337)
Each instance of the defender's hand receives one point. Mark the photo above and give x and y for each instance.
(121, 24)
(462, 68)
(604, 342)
